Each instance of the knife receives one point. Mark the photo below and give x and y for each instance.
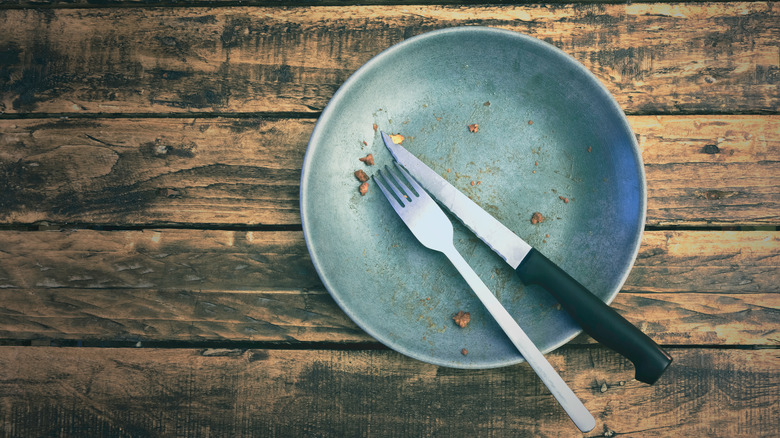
(595, 317)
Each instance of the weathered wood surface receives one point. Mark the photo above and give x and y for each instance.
(686, 288)
(668, 261)
(701, 170)
(278, 393)
(154, 316)
(141, 171)
(656, 57)
(275, 3)
(698, 80)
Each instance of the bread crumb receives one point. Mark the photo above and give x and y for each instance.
(368, 159)
(590, 148)
(363, 189)
(530, 122)
(537, 218)
(375, 127)
(464, 352)
(564, 199)
(474, 127)
(397, 138)
(462, 319)
(361, 176)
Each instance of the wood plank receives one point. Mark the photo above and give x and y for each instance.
(141, 171)
(698, 168)
(701, 170)
(142, 392)
(668, 261)
(150, 259)
(686, 288)
(131, 315)
(707, 261)
(148, 315)
(654, 57)
(228, 3)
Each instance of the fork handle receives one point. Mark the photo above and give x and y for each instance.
(559, 389)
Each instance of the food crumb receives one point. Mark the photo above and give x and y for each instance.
(590, 148)
(530, 122)
(546, 235)
(364, 143)
(603, 387)
(474, 127)
(464, 352)
(537, 218)
(449, 169)
(368, 159)
(375, 127)
(462, 319)
(473, 183)
(536, 163)
(397, 138)
(564, 199)
(486, 103)
(363, 189)
(361, 176)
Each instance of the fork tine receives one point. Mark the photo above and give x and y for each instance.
(408, 194)
(399, 188)
(412, 182)
(394, 201)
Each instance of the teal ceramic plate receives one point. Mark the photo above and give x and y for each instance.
(551, 139)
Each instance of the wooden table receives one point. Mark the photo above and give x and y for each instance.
(154, 279)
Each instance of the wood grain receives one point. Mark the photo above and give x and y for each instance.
(141, 171)
(698, 168)
(656, 57)
(98, 131)
(686, 288)
(707, 261)
(311, 316)
(668, 261)
(164, 259)
(279, 393)
(701, 170)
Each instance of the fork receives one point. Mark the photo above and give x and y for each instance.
(434, 230)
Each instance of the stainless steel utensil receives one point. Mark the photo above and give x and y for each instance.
(434, 230)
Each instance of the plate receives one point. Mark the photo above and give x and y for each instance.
(551, 139)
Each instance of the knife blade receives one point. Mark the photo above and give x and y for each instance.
(595, 317)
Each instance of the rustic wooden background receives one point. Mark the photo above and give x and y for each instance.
(154, 280)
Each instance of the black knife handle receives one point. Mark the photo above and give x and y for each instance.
(598, 320)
